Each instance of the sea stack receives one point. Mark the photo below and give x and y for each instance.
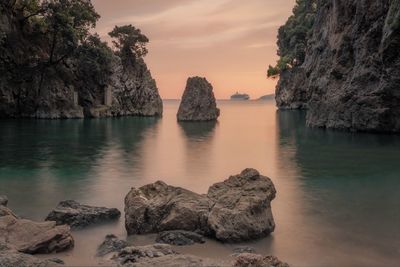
(198, 101)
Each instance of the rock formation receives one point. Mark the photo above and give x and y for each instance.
(237, 209)
(179, 238)
(350, 77)
(252, 260)
(198, 101)
(77, 215)
(33, 237)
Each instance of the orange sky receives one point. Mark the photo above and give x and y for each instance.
(230, 42)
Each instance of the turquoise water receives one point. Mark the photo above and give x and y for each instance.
(338, 201)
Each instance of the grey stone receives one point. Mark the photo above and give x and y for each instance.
(111, 244)
(3, 201)
(198, 101)
(350, 78)
(78, 216)
(255, 260)
(179, 238)
(237, 209)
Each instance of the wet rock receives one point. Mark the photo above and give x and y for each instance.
(34, 237)
(3, 201)
(255, 260)
(239, 250)
(242, 207)
(179, 238)
(160, 207)
(4, 211)
(111, 244)
(198, 101)
(237, 209)
(78, 216)
(160, 255)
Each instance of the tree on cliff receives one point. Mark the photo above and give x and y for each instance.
(130, 43)
(293, 37)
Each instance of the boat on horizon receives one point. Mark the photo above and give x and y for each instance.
(239, 96)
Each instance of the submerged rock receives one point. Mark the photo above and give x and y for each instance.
(255, 260)
(237, 209)
(239, 250)
(198, 101)
(179, 238)
(111, 244)
(77, 215)
(3, 201)
(34, 237)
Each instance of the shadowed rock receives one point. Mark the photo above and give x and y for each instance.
(78, 216)
(237, 209)
(3, 201)
(179, 238)
(111, 244)
(198, 101)
(255, 260)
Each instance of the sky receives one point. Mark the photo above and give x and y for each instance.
(230, 42)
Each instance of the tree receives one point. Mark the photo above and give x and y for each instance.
(293, 37)
(130, 43)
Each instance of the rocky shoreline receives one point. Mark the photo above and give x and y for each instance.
(236, 209)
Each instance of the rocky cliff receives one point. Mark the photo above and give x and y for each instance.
(51, 72)
(350, 78)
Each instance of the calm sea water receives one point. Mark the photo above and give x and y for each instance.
(338, 201)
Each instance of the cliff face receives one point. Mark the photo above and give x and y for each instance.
(31, 90)
(350, 78)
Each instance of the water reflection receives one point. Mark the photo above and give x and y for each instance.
(349, 182)
(198, 138)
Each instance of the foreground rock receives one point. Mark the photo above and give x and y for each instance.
(111, 244)
(160, 255)
(255, 260)
(11, 257)
(78, 216)
(350, 77)
(237, 209)
(179, 238)
(34, 237)
(198, 101)
(3, 201)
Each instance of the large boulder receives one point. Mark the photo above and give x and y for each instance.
(242, 207)
(237, 209)
(78, 216)
(179, 238)
(198, 101)
(34, 237)
(159, 207)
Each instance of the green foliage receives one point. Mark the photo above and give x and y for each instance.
(129, 42)
(293, 37)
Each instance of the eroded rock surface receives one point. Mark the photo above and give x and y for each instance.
(198, 101)
(235, 210)
(255, 260)
(179, 238)
(350, 78)
(34, 237)
(111, 244)
(78, 216)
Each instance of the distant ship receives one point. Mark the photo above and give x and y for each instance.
(239, 96)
